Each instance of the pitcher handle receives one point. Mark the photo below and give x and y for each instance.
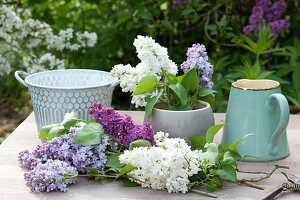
(284, 115)
(25, 74)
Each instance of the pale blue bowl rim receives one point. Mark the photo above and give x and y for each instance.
(207, 106)
(114, 79)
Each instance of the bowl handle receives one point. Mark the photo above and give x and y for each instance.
(20, 79)
(115, 83)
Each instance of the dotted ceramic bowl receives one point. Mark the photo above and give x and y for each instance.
(56, 92)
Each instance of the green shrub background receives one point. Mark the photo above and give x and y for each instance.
(215, 23)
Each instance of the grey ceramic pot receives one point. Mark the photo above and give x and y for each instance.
(182, 124)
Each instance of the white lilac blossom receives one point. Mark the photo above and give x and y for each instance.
(4, 66)
(154, 59)
(168, 165)
(30, 39)
(53, 175)
(197, 56)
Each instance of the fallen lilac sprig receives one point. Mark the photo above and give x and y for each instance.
(121, 127)
(50, 176)
(62, 148)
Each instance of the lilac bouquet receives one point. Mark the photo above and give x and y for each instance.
(154, 79)
(77, 147)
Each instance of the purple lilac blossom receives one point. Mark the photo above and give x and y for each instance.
(272, 14)
(179, 3)
(264, 4)
(257, 15)
(197, 56)
(121, 127)
(50, 176)
(276, 11)
(278, 26)
(62, 148)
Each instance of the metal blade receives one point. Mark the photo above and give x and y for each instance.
(292, 178)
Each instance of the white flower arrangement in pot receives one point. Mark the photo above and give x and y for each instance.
(179, 105)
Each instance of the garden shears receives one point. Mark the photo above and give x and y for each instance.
(293, 184)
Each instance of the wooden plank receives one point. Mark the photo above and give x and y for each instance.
(12, 184)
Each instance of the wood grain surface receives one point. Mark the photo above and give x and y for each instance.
(13, 187)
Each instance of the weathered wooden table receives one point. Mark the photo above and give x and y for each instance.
(12, 184)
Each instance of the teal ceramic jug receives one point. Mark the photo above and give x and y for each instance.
(258, 107)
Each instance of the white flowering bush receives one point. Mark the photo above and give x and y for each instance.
(31, 45)
(154, 81)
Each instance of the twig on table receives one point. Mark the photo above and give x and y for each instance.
(268, 174)
(96, 175)
(110, 176)
(251, 185)
(250, 172)
(204, 193)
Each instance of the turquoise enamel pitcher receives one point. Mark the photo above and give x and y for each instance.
(258, 107)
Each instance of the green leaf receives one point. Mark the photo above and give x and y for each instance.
(212, 131)
(264, 74)
(129, 183)
(171, 78)
(209, 99)
(296, 79)
(198, 142)
(146, 15)
(105, 180)
(211, 27)
(187, 11)
(181, 107)
(70, 119)
(205, 91)
(114, 163)
(246, 47)
(151, 102)
(230, 157)
(250, 156)
(249, 41)
(211, 153)
(222, 147)
(180, 92)
(90, 134)
(232, 147)
(55, 131)
(190, 80)
(92, 121)
(92, 170)
(167, 24)
(139, 143)
(272, 50)
(294, 101)
(228, 173)
(127, 168)
(45, 130)
(213, 185)
(146, 84)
